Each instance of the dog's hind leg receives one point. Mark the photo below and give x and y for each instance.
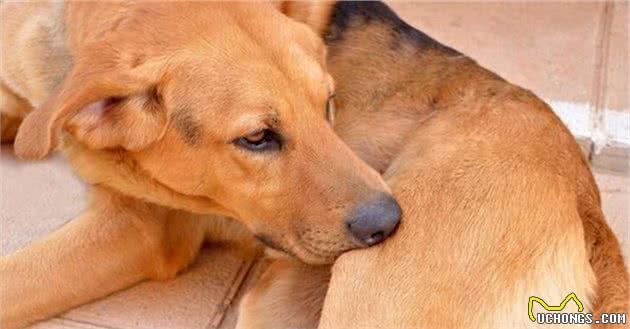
(116, 242)
(289, 295)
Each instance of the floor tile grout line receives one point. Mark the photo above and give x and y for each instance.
(600, 78)
(235, 285)
(61, 317)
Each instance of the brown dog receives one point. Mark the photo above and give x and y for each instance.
(173, 112)
(498, 201)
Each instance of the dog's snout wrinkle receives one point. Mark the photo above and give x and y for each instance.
(375, 220)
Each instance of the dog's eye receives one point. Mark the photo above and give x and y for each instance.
(264, 140)
(330, 109)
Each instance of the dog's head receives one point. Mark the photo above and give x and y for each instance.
(231, 104)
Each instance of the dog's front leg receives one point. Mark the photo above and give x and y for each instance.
(116, 242)
(289, 295)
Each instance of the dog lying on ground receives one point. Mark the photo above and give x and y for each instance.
(174, 112)
(499, 204)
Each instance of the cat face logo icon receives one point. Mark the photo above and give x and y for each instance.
(547, 307)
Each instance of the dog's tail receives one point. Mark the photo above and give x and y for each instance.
(612, 291)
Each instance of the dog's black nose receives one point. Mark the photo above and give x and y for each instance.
(373, 221)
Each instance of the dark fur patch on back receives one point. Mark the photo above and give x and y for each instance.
(349, 14)
(188, 127)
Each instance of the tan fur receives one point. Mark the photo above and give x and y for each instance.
(147, 99)
(315, 14)
(34, 55)
(498, 202)
(288, 295)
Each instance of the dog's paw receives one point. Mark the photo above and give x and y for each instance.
(289, 295)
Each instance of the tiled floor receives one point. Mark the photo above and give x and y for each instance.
(574, 55)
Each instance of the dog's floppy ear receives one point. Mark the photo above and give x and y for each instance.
(315, 14)
(102, 102)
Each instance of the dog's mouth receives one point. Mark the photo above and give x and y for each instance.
(271, 243)
(307, 249)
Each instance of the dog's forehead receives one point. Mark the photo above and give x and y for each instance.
(201, 79)
(303, 65)
(282, 42)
